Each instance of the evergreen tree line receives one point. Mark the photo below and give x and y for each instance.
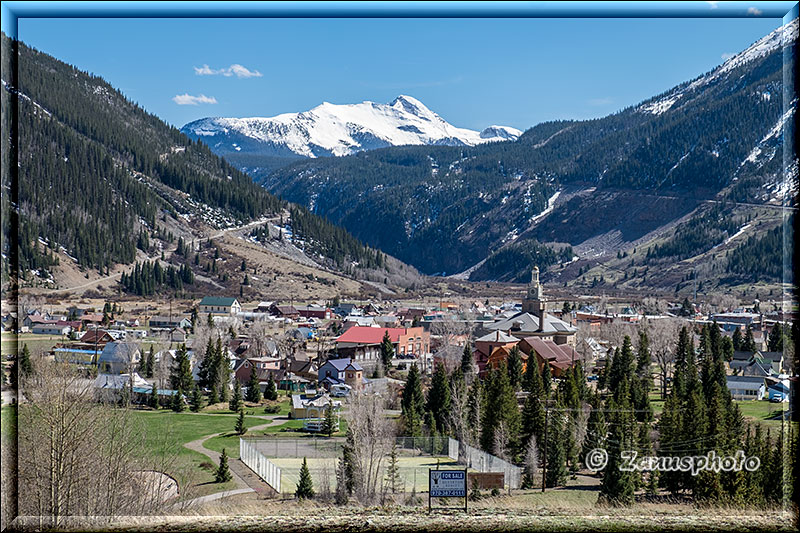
(761, 256)
(150, 277)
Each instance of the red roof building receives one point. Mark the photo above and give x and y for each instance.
(362, 343)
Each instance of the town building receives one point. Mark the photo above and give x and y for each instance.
(219, 305)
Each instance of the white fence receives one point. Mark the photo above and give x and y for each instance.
(259, 464)
(484, 462)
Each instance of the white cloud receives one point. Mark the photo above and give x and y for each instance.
(727, 55)
(188, 99)
(240, 71)
(754, 11)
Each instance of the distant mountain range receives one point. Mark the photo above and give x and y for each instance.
(102, 183)
(337, 130)
(644, 197)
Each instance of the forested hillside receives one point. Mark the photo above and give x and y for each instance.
(98, 174)
(715, 138)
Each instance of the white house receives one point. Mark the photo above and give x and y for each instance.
(746, 387)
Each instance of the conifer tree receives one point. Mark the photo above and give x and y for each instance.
(271, 391)
(196, 402)
(749, 341)
(153, 400)
(501, 408)
(547, 380)
(556, 474)
(329, 420)
(223, 371)
(213, 397)
(305, 485)
(737, 339)
(177, 401)
(438, 403)
(181, 371)
(617, 486)
(235, 403)
(223, 473)
(466, 361)
(515, 367)
(412, 403)
(393, 471)
(474, 411)
(387, 351)
(150, 363)
(240, 428)
(253, 388)
(533, 418)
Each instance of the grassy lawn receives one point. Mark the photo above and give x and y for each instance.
(36, 343)
(172, 430)
(762, 411)
(8, 420)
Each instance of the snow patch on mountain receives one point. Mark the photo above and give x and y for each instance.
(343, 129)
(782, 36)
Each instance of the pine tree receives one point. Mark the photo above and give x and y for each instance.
(153, 400)
(749, 341)
(439, 397)
(253, 388)
(177, 401)
(501, 408)
(271, 391)
(213, 397)
(515, 368)
(305, 486)
(25, 365)
(617, 486)
(329, 420)
(235, 403)
(150, 363)
(348, 463)
(387, 351)
(474, 411)
(533, 418)
(547, 380)
(393, 471)
(556, 474)
(223, 371)
(181, 371)
(240, 428)
(196, 402)
(737, 339)
(223, 473)
(412, 404)
(466, 361)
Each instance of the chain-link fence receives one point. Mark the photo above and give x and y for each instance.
(416, 455)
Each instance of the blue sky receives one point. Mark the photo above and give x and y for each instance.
(472, 72)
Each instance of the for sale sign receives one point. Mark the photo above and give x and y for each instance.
(448, 484)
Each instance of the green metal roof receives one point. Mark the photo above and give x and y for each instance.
(217, 301)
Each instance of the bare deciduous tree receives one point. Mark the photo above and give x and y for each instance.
(373, 437)
(662, 334)
(81, 457)
(449, 333)
(532, 459)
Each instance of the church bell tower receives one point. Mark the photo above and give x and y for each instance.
(534, 301)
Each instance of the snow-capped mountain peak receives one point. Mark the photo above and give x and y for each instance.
(340, 129)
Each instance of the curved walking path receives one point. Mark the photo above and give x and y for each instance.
(244, 478)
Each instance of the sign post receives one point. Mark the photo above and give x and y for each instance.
(447, 484)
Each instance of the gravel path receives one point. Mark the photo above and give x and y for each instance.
(244, 478)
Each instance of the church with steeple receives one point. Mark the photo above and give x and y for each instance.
(533, 320)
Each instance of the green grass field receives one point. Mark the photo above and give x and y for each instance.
(413, 470)
(172, 430)
(36, 343)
